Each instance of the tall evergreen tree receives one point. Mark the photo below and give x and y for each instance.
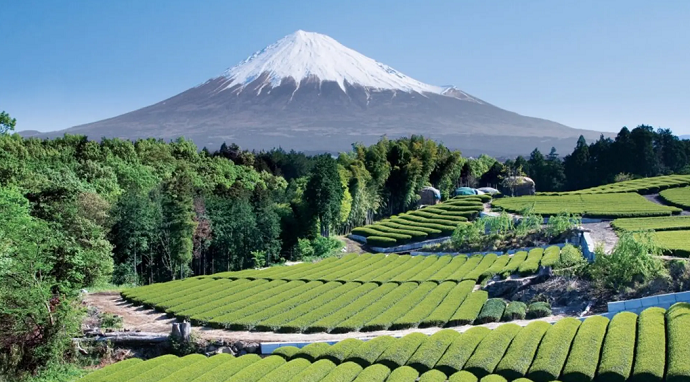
(324, 193)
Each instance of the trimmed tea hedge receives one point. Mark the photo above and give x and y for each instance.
(641, 186)
(653, 347)
(666, 223)
(492, 311)
(679, 197)
(609, 206)
(516, 310)
(538, 310)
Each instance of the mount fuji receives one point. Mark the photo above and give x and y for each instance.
(310, 93)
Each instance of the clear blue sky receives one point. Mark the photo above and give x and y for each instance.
(585, 63)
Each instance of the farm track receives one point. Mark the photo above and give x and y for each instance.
(148, 320)
(602, 233)
(658, 200)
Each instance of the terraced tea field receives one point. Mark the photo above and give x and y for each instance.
(427, 223)
(676, 243)
(667, 223)
(679, 197)
(643, 186)
(653, 347)
(354, 293)
(607, 206)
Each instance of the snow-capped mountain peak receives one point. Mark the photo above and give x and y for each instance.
(303, 55)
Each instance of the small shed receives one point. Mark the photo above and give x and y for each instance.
(429, 196)
(518, 186)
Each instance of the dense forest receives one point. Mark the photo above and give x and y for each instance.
(78, 213)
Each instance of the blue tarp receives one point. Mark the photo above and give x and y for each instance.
(465, 191)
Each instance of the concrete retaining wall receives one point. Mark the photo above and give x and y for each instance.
(508, 252)
(639, 304)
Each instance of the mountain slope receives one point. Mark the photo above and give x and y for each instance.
(308, 92)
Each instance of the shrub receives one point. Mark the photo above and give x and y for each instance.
(258, 370)
(431, 232)
(582, 362)
(531, 265)
(314, 373)
(468, 266)
(516, 310)
(141, 369)
(433, 376)
(494, 378)
(403, 374)
(650, 348)
(570, 256)
(426, 273)
(485, 264)
(561, 223)
(633, 258)
(107, 371)
(420, 311)
(461, 350)
(380, 241)
(431, 350)
(539, 309)
(618, 351)
(515, 261)
(492, 311)
(287, 371)
(230, 368)
(347, 371)
(553, 351)
(518, 358)
(329, 323)
(286, 352)
(463, 376)
(374, 373)
(456, 263)
(392, 312)
(490, 351)
(445, 310)
(496, 267)
(367, 353)
(678, 346)
(340, 351)
(312, 352)
(552, 255)
(470, 308)
(401, 350)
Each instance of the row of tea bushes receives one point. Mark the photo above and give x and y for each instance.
(643, 186)
(654, 347)
(605, 206)
(679, 197)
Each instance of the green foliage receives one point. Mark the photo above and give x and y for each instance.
(531, 264)
(618, 352)
(582, 362)
(432, 349)
(562, 223)
(553, 351)
(516, 310)
(433, 376)
(7, 123)
(340, 351)
(344, 372)
(463, 376)
(538, 309)
(588, 205)
(678, 346)
(570, 257)
(470, 308)
(632, 260)
(490, 350)
(519, 356)
(367, 353)
(403, 374)
(492, 311)
(314, 373)
(401, 350)
(671, 223)
(286, 352)
(324, 193)
(461, 350)
(650, 346)
(679, 197)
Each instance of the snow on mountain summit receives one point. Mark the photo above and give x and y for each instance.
(303, 54)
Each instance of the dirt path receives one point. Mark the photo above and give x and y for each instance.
(602, 233)
(147, 320)
(655, 198)
(353, 246)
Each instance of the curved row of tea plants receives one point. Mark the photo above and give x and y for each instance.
(653, 347)
(641, 186)
(665, 223)
(382, 268)
(679, 197)
(427, 223)
(606, 206)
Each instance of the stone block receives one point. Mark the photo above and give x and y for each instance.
(649, 301)
(614, 307)
(633, 304)
(667, 299)
(683, 297)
